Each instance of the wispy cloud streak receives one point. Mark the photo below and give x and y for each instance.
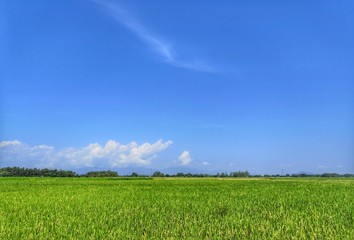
(159, 46)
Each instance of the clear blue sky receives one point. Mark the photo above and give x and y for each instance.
(210, 85)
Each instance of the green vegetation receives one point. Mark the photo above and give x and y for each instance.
(101, 174)
(34, 172)
(170, 208)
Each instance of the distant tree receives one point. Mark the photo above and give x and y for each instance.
(134, 174)
(330, 175)
(188, 175)
(222, 174)
(34, 172)
(239, 174)
(348, 175)
(108, 173)
(4, 172)
(158, 174)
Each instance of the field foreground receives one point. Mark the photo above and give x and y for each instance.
(82, 208)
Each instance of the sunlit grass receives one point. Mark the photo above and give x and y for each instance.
(80, 208)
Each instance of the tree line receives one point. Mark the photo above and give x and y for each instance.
(36, 172)
(222, 174)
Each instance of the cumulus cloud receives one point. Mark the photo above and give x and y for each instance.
(185, 158)
(17, 153)
(112, 154)
(9, 143)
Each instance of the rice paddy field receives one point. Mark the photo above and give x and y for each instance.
(90, 208)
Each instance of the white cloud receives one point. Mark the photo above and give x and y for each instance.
(112, 154)
(17, 153)
(185, 158)
(160, 47)
(205, 163)
(9, 143)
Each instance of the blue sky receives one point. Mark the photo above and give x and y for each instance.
(266, 86)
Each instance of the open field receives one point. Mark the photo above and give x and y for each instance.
(82, 208)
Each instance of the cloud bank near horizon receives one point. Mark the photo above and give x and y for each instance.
(162, 48)
(112, 154)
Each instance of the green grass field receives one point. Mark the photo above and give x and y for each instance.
(81, 208)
